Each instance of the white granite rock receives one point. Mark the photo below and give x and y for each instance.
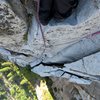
(76, 80)
(12, 25)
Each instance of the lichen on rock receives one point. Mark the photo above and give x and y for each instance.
(11, 25)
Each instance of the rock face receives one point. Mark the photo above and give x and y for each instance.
(12, 25)
(76, 80)
(68, 91)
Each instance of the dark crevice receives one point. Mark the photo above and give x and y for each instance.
(88, 77)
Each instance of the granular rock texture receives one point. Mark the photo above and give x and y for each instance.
(12, 25)
(77, 80)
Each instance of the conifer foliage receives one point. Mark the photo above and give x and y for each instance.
(13, 83)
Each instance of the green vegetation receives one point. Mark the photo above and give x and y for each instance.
(17, 83)
(25, 36)
(45, 92)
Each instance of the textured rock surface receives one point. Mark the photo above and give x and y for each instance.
(79, 80)
(12, 25)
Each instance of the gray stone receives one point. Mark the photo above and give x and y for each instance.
(12, 24)
(78, 80)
